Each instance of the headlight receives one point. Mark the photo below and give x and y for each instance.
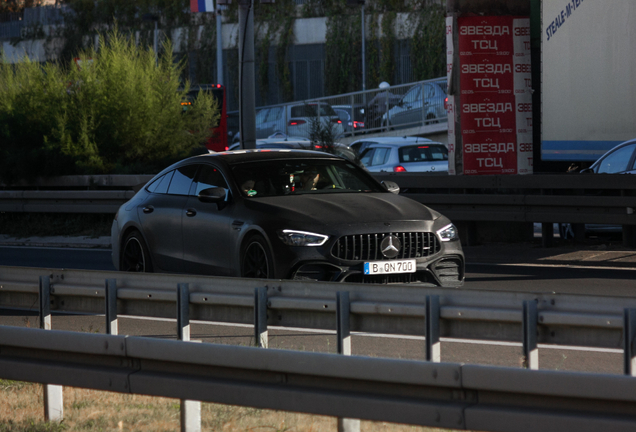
(448, 233)
(302, 238)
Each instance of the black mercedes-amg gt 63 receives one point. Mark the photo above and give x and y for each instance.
(283, 214)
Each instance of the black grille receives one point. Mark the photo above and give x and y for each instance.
(366, 247)
(400, 278)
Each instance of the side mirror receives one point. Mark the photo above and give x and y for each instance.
(587, 171)
(212, 195)
(391, 186)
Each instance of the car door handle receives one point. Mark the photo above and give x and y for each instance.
(148, 209)
(191, 212)
(237, 224)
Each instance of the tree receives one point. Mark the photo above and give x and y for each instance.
(120, 112)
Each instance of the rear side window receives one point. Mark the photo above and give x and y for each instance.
(423, 153)
(302, 111)
(182, 180)
(375, 156)
(160, 185)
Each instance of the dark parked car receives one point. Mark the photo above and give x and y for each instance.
(620, 159)
(352, 118)
(289, 214)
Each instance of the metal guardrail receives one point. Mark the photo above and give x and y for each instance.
(63, 201)
(574, 198)
(419, 104)
(431, 394)
(568, 320)
(546, 198)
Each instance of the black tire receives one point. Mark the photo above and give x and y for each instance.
(256, 259)
(135, 256)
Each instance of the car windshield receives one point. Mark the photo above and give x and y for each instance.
(423, 153)
(301, 176)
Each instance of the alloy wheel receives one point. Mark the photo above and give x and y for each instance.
(255, 261)
(133, 258)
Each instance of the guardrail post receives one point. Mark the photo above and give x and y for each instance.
(45, 303)
(190, 410)
(111, 307)
(629, 234)
(343, 331)
(433, 347)
(53, 394)
(547, 234)
(343, 328)
(260, 317)
(183, 311)
(529, 329)
(629, 335)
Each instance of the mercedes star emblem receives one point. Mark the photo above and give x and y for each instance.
(390, 246)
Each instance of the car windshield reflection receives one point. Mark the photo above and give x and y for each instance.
(297, 177)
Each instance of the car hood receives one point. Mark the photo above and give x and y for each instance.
(342, 208)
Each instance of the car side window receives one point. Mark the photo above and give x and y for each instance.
(366, 156)
(429, 91)
(274, 114)
(160, 186)
(381, 156)
(262, 115)
(209, 177)
(182, 180)
(412, 95)
(617, 161)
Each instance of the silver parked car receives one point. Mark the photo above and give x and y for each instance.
(295, 120)
(402, 154)
(422, 103)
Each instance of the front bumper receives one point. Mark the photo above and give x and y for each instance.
(445, 270)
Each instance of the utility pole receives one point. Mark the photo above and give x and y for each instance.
(219, 43)
(364, 60)
(247, 94)
(354, 3)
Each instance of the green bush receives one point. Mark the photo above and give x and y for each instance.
(120, 112)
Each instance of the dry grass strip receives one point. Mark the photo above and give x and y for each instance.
(22, 409)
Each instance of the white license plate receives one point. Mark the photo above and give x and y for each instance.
(386, 267)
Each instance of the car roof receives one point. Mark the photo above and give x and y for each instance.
(254, 155)
(397, 141)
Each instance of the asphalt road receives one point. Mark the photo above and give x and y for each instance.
(484, 276)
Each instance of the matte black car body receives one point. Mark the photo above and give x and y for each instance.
(213, 232)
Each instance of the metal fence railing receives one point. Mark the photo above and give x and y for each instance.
(11, 24)
(404, 106)
(45, 15)
(11, 29)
